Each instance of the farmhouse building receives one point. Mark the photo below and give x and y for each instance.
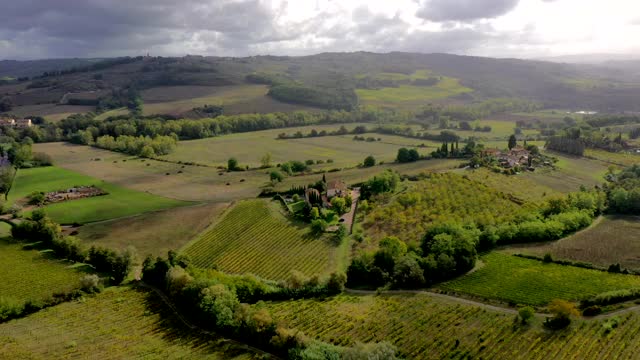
(23, 123)
(336, 188)
(7, 122)
(515, 157)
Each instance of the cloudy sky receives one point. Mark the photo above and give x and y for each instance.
(32, 29)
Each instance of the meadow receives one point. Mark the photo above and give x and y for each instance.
(407, 96)
(153, 233)
(517, 280)
(614, 158)
(440, 198)
(235, 99)
(254, 237)
(119, 202)
(570, 173)
(424, 326)
(51, 112)
(196, 183)
(31, 275)
(119, 323)
(612, 240)
(248, 148)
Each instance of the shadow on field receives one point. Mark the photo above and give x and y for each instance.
(173, 330)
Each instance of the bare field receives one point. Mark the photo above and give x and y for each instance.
(153, 233)
(612, 240)
(200, 183)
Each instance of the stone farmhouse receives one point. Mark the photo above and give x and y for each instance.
(518, 156)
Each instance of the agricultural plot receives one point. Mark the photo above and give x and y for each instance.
(411, 96)
(427, 327)
(249, 148)
(120, 323)
(570, 173)
(441, 198)
(497, 137)
(236, 99)
(51, 112)
(612, 240)
(520, 186)
(196, 183)
(619, 158)
(523, 281)
(153, 233)
(30, 275)
(255, 238)
(119, 202)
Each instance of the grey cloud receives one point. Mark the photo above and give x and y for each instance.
(464, 10)
(101, 28)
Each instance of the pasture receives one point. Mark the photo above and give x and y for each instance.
(612, 240)
(197, 183)
(570, 173)
(407, 96)
(31, 275)
(254, 237)
(119, 323)
(424, 326)
(248, 148)
(119, 202)
(617, 158)
(235, 99)
(517, 280)
(51, 112)
(153, 233)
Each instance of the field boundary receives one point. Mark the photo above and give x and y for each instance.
(191, 326)
(215, 222)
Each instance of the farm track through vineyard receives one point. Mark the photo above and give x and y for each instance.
(429, 326)
(252, 238)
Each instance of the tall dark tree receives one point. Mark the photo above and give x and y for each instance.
(512, 142)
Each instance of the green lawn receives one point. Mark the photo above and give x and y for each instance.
(119, 202)
(513, 279)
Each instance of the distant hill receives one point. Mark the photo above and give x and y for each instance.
(16, 69)
(330, 80)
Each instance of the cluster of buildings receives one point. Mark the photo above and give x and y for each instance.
(518, 156)
(19, 123)
(334, 188)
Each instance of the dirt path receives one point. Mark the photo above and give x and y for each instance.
(348, 217)
(193, 327)
(502, 309)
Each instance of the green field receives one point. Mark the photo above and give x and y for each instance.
(254, 237)
(611, 240)
(120, 323)
(197, 183)
(516, 280)
(441, 198)
(30, 275)
(235, 99)
(248, 148)
(153, 233)
(411, 96)
(520, 186)
(570, 173)
(423, 326)
(119, 202)
(617, 158)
